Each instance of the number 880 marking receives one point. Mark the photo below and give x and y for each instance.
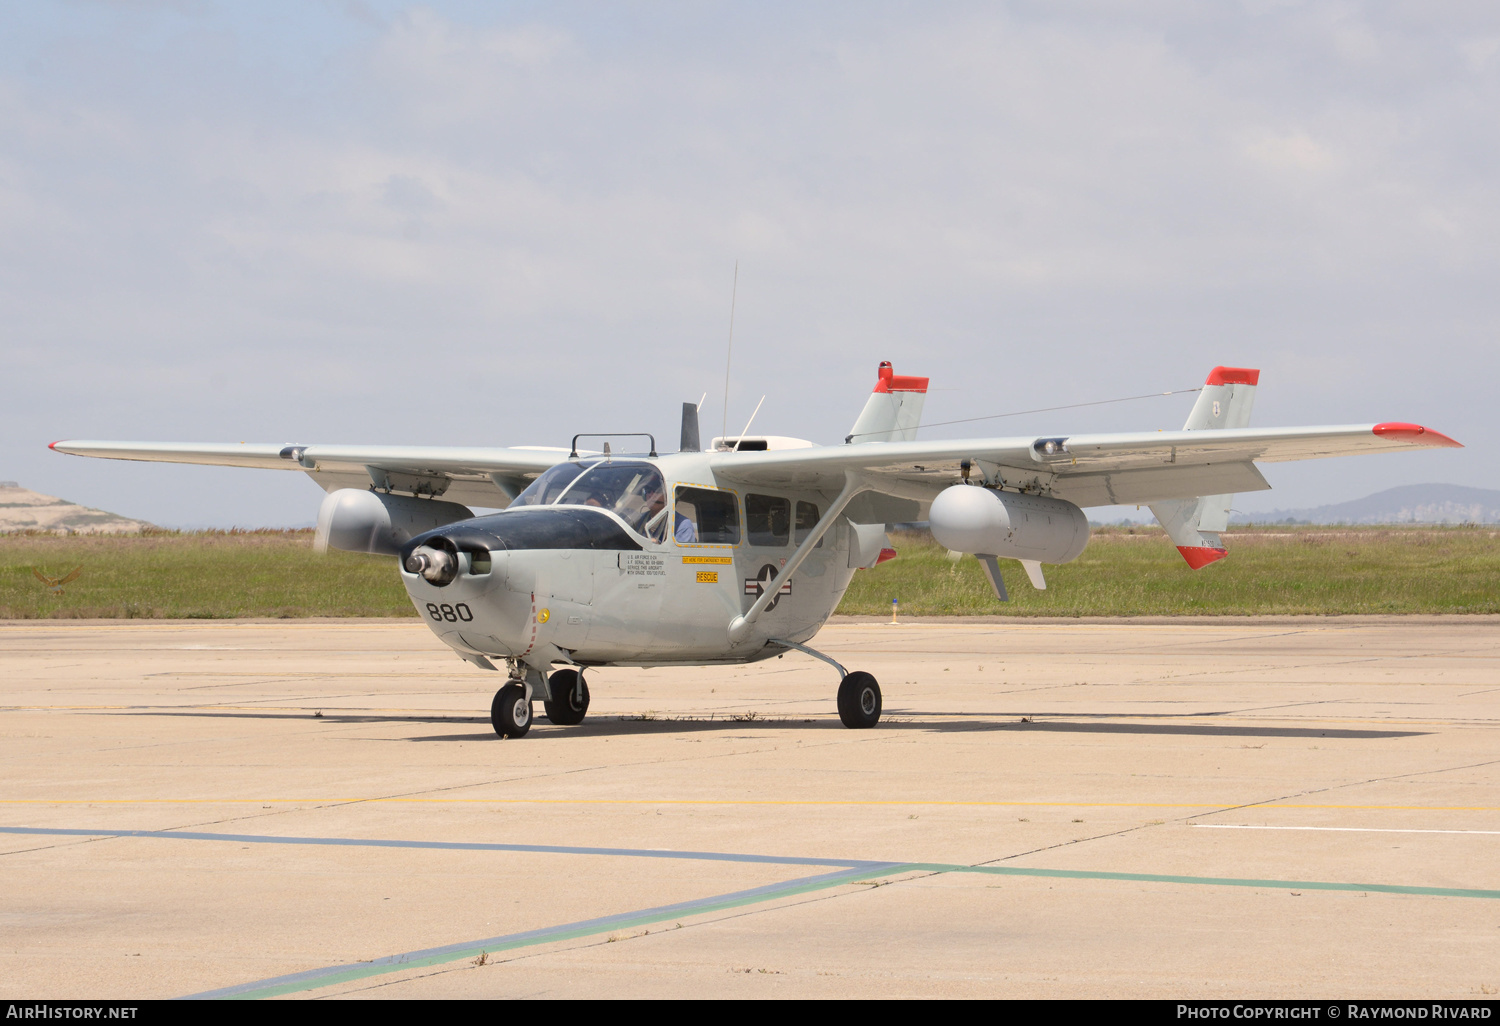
(452, 614)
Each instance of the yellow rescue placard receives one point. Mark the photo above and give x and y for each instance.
(708, 577)
(716, 560)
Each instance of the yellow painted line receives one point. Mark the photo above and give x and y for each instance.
(854, 802)
(1238, 628)
(374, 624)
(327, 710)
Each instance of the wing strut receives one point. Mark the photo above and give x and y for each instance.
(740, 625)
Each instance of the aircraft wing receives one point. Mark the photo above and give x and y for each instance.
(471, 475)
(1087, 470)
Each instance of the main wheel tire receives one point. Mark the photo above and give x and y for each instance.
(510, 713)
(566, 708)
(859, 700)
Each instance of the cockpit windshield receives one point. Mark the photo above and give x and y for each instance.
(635, 491)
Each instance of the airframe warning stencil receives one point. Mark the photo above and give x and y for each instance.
(643, 564)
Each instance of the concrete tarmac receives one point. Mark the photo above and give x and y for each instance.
(1194, 810)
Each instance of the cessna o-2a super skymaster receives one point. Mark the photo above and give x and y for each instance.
(743, 551)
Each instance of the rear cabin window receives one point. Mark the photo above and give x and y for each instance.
(706, 517)
(768, 520)
(807, 519)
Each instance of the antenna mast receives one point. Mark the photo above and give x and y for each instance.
(734, 292)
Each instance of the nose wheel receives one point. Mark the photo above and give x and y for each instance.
(510, 713)
(570, 698)
(859, 700)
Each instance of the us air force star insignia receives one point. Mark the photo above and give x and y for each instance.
(755, 585)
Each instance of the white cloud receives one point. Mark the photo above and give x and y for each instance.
(207, 230)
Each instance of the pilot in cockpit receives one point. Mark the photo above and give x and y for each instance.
(652, 522)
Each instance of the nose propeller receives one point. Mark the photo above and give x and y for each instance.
(435, 566)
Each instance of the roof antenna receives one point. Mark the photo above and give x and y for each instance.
(740, 440)
(734, 293)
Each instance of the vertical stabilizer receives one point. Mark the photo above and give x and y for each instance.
(689, 441)
(1194, 524)
(893, 410)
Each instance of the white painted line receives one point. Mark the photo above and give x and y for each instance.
(1355, 830)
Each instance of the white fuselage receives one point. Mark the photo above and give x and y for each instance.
(657, 602)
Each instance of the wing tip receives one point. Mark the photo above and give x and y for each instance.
(1199, 556)
(1415, 434)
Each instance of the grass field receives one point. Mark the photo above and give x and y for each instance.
(1272, 570)
(1123, 572)
(209, 574)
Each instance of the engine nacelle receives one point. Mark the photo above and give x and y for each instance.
(363, 521)
(967, 518)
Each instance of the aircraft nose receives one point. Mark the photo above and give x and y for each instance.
(440, 562)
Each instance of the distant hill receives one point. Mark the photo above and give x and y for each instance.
(24, 510)
(1408, 504)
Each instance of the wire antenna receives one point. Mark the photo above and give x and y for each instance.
(1053, 409)
(738, 441)
(733, 294)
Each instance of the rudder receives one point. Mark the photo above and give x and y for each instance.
(893, 411)
(1194, 525)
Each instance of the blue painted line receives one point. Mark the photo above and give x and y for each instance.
(448, 953)
(362, 842)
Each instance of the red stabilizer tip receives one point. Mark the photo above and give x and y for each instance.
(885, 554)
(1233, 376)
(890, 381)
(53, 445)
(1416, 434)
(1199, 556)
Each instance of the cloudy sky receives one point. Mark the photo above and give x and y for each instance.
(504, 223)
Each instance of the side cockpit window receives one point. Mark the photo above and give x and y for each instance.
(807, 519)
(768, 520)
(706, 517)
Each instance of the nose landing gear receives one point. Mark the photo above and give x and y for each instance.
(510, 712)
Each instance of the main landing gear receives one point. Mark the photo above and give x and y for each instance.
(859, 700)
(570, 698)
(510, 712)
(859, 693)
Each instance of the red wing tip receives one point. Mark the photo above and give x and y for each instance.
(890, 381)
(885, 554)
(1397, 431)
(1233, 376)
(1199, 556)
(53, 445)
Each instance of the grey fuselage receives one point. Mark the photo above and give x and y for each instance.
(570, 583)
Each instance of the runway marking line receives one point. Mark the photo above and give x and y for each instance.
(850, 871)
(1351, 830)
(812, 802)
